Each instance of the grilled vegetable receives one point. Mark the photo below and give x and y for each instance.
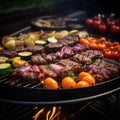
(5, 68)
(40, 42)
(16, 63)
(3, 59)
(52, 40)
(25, 55)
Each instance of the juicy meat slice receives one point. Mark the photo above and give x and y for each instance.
(51, 57)
(75, 67)
(103, 70)
(25, 73)
(47, 71)
(80, 58)
(80, 48)
(65, 52)
(53, 47)
(37, 49)
(88, 56)
(38, 59)
(67, 42)
(10, 53)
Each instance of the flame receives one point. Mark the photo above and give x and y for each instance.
(50, 114)
(35, 117)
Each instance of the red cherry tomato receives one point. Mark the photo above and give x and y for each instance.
(89, 22)
(115, 30)
(96, 23)
(93, 45)
(84, 41)
(110, 22)
(102, 28)
(107, 53)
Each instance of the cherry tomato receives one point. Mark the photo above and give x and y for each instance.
(114, 51)
(90, 79)
(68, 82)
(84, 41)
(50, 83)
(85, 76)
(115, 30)
(96, 23)
(82, 84)
(93, 46)
(82, 74)
(107, 53)
(101, 46)
(115, 54)
(89, 22)
(110, 22)
(102, 28)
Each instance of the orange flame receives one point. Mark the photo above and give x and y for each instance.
(52, 113)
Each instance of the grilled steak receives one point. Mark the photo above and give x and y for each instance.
(47, 71)
(75, 67)
(38, 59)
(51, 57)
(87, 56)
(38, 49)
(53, 47)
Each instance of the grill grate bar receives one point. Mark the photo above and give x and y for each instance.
(37, 86)
(21, 111)
(3, 80)
(15, 110)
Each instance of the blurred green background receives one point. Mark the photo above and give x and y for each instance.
(20, 5)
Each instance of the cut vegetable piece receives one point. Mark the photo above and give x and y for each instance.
(25, 55)
(5, 68)
(52, 40)
(3, 59)
(40, 42)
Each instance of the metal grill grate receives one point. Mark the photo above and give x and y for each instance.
(5, 79)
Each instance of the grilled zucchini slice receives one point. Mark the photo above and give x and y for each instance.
(5, 68)
(25, 55)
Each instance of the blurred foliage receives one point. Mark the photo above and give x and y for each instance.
(18, 5)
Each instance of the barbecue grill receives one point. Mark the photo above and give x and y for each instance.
(29, 93)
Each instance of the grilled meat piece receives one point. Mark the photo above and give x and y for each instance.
(47, 71)
(75, 67)
(20, 49)
(103, 70)
(38, 59)
(51, 57)
(25, 73)
(80, 58)
(88, 56)
(65, 42)
(37, 49)
(80, 48)
(65, 52)
(72, 37)
(53, 47)
(10, 53)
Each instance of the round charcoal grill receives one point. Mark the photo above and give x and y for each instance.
(31, 94)
(23, 92)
